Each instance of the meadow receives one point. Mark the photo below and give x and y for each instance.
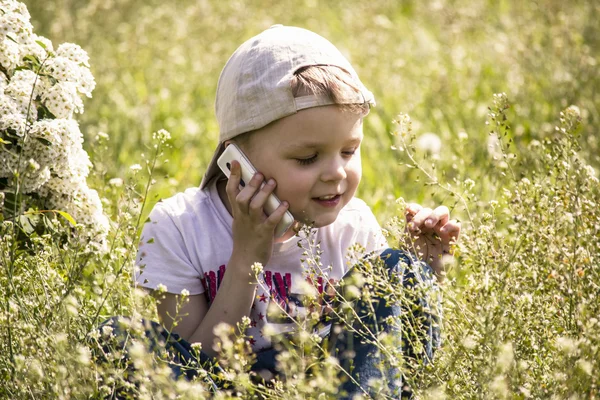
(489, 107)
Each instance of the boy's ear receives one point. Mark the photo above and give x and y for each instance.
(227, 143)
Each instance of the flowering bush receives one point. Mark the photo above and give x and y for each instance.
(42, 163)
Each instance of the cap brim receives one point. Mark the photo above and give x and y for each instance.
(213, 169)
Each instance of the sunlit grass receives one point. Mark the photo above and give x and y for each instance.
(520, 302)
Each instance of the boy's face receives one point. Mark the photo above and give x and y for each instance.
(314, 156)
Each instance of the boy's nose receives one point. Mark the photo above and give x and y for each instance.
(334, 171)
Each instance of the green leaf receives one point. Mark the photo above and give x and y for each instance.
(27, 223)
(42, 45)
(151, 240)
(11, 202)
(2, 141)
(48, 223)
(33, 59)
(66, 216)
(43, 141)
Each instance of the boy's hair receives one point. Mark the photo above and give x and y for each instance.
(277, 73)
(324, 80)
(329, 81)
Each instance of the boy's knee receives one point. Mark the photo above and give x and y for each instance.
(407, 266)
(394, 258)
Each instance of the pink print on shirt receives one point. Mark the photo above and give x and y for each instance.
(211, 282)
(277, 287)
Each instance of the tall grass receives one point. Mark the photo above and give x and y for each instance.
(519, 169)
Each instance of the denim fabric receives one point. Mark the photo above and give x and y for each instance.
(356, 355)
(368, 368)
(182, 359)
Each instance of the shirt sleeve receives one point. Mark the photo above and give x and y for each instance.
(162, 256)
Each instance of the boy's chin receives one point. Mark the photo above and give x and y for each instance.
(319, 222)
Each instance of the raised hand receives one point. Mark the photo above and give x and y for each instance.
(431, 234)
(253, 230)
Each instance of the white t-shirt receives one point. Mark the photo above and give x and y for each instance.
(187, 243)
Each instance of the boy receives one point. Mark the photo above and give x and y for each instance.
(291, 101)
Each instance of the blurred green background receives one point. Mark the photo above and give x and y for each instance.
(157, 63)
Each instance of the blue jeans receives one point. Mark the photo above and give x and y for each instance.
(358, 356)
(412, 320)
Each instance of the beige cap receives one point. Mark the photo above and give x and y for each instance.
(255, 89)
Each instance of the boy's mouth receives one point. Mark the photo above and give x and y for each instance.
(328, 197)
(330, 200)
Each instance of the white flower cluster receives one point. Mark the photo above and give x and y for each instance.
(40, 142)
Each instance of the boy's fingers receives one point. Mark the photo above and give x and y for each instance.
(258, 201)
(277, 215)
(450, 232)
(439, 217)
(442, 214)
(411, 210)
(416, 224)
(233, 184)
(248, 192)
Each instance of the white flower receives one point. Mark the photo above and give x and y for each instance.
(9, 54)
(107, 330)
(469, 183)
(185, 292)
(22, 90)
(86, 82)
(73, 70)
(494, 146)
(62, 69)
(256, 268)
(591, 173)
(116, 182)
(429, 143)
(32, 179)
(7, 105)
(135, 168)
(34, 48)
(51, 161)
(499, 386)
(574, 110)
(162, 135)
(160, 288)
(83, 355)
(62, 100)
(48, 130)
(74, 53)
(469, 342)
(32, 165)
(505, 356)
(566, 344)
(14, 122)
(585, 366)
(3, 83)
(14, 19)
(197, 346)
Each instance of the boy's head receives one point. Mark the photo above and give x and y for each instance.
(283, 86)
(277, 73)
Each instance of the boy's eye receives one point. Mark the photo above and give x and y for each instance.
(306, 161)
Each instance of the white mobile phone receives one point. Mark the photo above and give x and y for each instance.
(233, 152)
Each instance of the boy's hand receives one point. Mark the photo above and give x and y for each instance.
(432, 232)
(253, 230)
